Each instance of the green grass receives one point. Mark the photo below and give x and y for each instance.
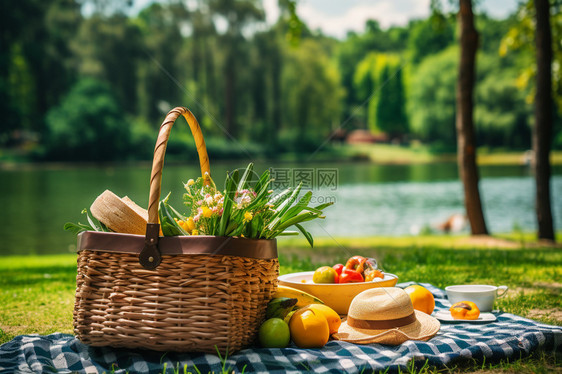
(37, 293)
(421, 154)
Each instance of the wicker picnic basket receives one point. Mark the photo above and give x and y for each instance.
(183, 293)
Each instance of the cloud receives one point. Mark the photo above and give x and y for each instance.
(337, 17)
(387, 13)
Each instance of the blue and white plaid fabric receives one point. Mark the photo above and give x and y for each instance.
(508, 337)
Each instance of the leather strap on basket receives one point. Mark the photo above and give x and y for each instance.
(150, 256)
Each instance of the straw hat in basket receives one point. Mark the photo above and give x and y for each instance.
(385, 315)
(119, 214)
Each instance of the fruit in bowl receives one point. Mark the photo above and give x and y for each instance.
(338, 295)
(356, 269)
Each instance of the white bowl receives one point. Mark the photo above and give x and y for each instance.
(482, 295)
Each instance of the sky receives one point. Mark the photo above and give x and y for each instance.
(337, 17)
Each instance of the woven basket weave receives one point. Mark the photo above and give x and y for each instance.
(195, 294)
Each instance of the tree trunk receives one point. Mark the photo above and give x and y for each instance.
(542, 130)
(464, 121)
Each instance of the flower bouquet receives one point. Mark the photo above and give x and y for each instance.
(242, 209)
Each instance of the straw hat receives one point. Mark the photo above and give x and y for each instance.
(385, 315)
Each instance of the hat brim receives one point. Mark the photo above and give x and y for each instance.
(424, 328)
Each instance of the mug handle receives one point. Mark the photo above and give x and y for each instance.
(504, 288)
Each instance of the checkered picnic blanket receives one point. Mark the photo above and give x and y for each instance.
(509, 336)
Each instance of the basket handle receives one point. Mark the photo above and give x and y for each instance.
(150, 256)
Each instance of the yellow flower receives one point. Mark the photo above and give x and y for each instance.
(190, 182)
(194, 232)
(248, 216)
(190, 224)
(207, 212)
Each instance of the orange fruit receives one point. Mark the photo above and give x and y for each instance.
(421, 298)
(309, 328)
(333, 318)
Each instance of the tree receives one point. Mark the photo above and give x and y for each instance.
(391, 114)
(502, 117)
(430, 36)
(466, 144)
(88, 125)
(431, 102)
(160, 27)
(378, 78)
(534, 33)
(358, 47)
(266, 88)
(34, 60)
(109, 48)
(311, 94)
(237, 14)
(542, 131)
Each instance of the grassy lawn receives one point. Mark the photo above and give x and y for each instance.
(37, 293)
(420, 154)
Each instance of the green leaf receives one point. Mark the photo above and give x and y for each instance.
(303, 202)
(255, 224)
(92, 223)
(282, 209)
(104, 227)
(323, 206)
(263, 182)
(230, 192)
(261, 197)
(306, 234)
(288, 233)
(280, 198)
(243, 183)
(235, 175)
(303, 217)
(232, 226)
(167, 222)
(77, 228)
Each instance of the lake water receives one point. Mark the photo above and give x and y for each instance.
(369, 199)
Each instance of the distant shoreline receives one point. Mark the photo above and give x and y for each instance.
(382, 154)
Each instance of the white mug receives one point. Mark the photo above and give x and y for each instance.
(481, 295)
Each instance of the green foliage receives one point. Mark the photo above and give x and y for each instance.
(431, 103)
(109, 50)
(378, 80)
(430, 36)
(391, 111)
(92, 225)
(501, 114)
(520, 39)
(88, 125)
(279, 88)
(311, 93)
(160, 26)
